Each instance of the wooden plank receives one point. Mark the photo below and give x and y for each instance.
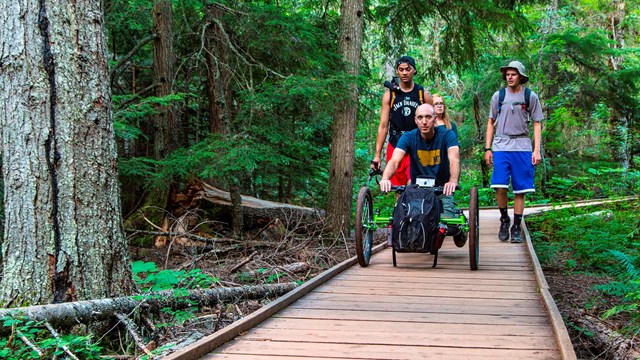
(408, 299)
(432, 293)
(408, 317)
(434, 285)
(399, 328)
(436, 278)
(445, 308)
(342, 338)
(255, 349)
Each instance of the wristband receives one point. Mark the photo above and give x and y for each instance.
(487, 149)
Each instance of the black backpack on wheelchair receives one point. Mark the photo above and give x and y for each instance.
(416, 219)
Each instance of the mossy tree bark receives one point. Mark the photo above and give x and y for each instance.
(63, 236)
(343, 129)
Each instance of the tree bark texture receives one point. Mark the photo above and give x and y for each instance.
(63, 236)
(86, 312)
(166, 122)
(218, 74)
(343, 129)
(620, 128)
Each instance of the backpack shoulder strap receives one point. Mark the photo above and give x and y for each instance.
(393, 98)
(421, 92)
(501, 95)
(527, 96)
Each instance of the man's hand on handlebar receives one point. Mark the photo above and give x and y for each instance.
(449, 188)
(375, 163)
(385, 185)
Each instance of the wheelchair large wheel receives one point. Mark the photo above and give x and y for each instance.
(364, 228)
(474, 231)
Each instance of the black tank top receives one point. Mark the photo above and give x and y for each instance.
(403, 112)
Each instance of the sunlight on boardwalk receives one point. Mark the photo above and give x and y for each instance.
(415, 311)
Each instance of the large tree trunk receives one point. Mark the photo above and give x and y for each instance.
(63, 237)
(166, 124)
(620, 128)
(218, 74)
(343, 129)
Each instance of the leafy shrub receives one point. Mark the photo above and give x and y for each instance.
(12, 348)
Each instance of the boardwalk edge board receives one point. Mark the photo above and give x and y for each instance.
(557, 323)
(211, 342)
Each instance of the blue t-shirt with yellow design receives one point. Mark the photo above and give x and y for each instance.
(429, 158)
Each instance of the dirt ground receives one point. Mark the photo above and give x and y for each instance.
(574, 293)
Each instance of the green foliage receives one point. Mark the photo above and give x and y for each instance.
(150, 278)
(12, 348)
(627, 287)
(599, 240)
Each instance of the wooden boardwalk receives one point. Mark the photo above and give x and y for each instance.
(418, 312)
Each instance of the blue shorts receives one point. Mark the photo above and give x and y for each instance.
(515, 166)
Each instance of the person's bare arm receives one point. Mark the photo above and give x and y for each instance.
(390, 169)
(488, 155)
(536, 156)
(454, 170)
(427, 97)
(383, 128)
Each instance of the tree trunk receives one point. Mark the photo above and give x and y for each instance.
(620, 120)
(166, 122)
(218, 74)
(343, 129)
(63, 236)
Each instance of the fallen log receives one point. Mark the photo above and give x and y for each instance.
(605, 339)
(257, 211)
(288, 268)
(85, 312)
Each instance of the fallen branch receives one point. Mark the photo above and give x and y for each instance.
(133, 331)
(65, 348)
(243, 262)
(26, 341)
(181, 234)
(85, 312)
(605, 339)
(289, 268)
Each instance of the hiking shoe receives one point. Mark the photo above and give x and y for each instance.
(516, 234)
(503, 235)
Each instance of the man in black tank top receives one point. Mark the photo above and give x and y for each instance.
(398, 116)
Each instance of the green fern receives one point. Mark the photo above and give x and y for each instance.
(627, 287)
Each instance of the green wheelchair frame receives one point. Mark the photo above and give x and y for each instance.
(369, 220)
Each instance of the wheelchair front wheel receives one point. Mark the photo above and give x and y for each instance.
(364, 229)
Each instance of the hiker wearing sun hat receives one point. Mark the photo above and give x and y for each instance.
(510, 150)
(399, 106)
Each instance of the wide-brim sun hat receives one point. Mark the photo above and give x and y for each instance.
(517, 66)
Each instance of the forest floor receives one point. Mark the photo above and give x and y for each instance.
(284, 257)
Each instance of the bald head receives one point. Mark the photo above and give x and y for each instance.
(426, 120)
(426, 109)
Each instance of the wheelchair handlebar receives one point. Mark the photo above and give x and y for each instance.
(437, 189)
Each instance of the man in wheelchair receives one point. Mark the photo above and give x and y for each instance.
(433, 152)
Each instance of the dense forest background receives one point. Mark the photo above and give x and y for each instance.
(247, 92)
